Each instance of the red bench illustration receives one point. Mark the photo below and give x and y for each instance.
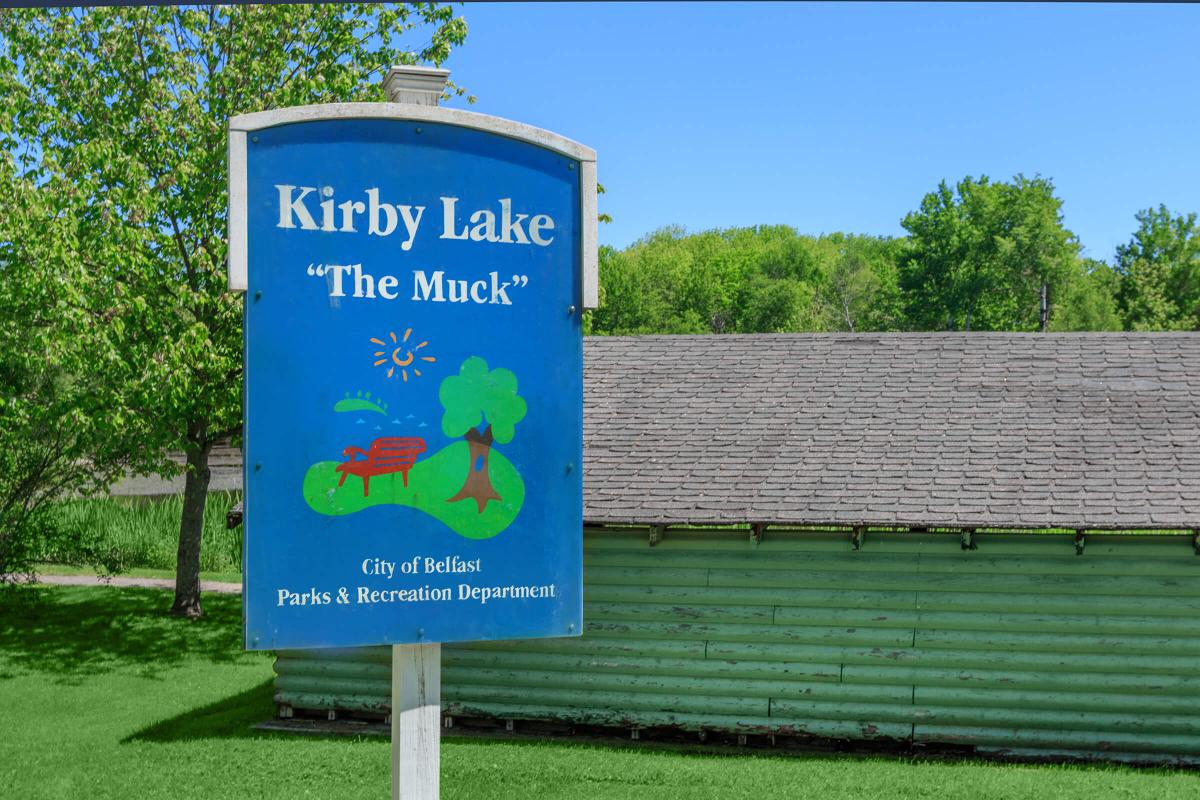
(385, 456)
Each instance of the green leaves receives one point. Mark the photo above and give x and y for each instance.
(765, 279)
(118, 116)
(56, 436)
(1160, 269)
(978, 255)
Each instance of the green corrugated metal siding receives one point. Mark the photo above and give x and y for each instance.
(1019, 644)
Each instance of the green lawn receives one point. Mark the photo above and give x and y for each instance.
(104, 696)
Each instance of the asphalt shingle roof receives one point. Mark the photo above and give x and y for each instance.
(958, 430)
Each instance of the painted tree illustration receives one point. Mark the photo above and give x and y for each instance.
(483, 407)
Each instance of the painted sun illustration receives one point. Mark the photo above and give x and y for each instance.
(403, 355)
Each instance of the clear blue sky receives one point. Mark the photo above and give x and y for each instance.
(834, 117)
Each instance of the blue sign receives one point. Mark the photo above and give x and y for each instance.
(413, 406)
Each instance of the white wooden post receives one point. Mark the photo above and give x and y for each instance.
(416, 720)
(416, 668)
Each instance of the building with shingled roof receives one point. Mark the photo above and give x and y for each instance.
(979, 541)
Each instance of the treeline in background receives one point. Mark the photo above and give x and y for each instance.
(979, 256)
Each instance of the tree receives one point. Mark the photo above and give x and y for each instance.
(55, 438)
(1160, 272)
(765, 279)
(123, 111)
(639, 285)
(767, 305)
(478, 398)
(1088, 300)
(979, 255)
(860, 290)
(1149, 304)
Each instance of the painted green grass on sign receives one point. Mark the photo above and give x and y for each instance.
(106, 696)
(431, 481)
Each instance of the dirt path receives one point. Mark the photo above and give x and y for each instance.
(147, 583)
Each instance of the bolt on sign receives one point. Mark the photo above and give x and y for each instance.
(414, 278)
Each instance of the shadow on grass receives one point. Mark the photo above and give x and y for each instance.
(231, 718)
(234, 717)
(74, 632)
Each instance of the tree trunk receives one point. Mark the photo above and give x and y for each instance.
(1044, 317)
(191, 526)
(478, 485)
